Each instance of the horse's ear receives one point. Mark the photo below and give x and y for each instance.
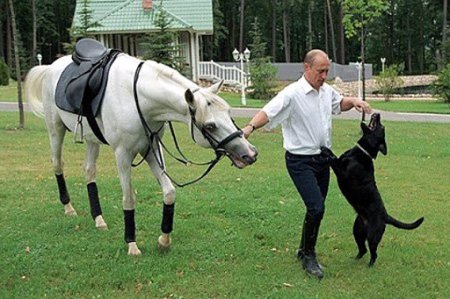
(216, 87)
(189, 96)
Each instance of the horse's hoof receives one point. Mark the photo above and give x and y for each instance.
(69, 210)
(164, 243)
(100, 224)
(133, 249)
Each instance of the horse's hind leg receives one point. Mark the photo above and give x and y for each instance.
(56, 131)
(124, 160)
(91, 172)
(168, 190)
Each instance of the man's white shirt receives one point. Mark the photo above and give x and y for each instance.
(305, 116)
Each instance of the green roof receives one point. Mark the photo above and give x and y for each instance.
(129, 16)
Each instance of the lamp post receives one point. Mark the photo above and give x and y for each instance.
(383, 61)
(242, 57)
(39, 58)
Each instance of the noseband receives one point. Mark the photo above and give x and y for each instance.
(216, 145)
(152, 136)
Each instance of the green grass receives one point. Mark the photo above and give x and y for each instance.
(235, 232)
(416, 106)
(8, 93)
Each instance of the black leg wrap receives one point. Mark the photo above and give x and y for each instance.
(94, 200)
(130, 226)
(63, 194)
(167, 221)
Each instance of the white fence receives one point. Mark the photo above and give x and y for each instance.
(232, 75)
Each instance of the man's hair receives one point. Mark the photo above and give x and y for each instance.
(312, 55)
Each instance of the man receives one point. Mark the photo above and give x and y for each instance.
(304, 110)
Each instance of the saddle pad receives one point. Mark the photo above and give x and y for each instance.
(76, 85)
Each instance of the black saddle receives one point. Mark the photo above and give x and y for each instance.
(82, 84)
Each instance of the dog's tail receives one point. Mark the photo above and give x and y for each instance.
(392, 221)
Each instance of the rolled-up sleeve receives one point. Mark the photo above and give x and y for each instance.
(276, 110)
(336, 102)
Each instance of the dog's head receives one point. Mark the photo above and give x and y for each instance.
(373, 136)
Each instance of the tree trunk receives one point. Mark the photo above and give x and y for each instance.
(333, 39)
(444, 31)
(310, 33)
(287, 44)
(9, 55)
(18, 72)
(241, 27)
(408, 30)
(34, 46)
(325, 29)
(341, 36)
(274, 30)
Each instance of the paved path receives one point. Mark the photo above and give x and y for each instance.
(353, 114)
(249, 112)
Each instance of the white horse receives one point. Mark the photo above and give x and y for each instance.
(162, 95)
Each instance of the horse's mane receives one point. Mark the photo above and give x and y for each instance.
(209, 98)
(172, 74)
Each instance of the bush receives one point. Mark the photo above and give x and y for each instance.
(388, 81)
(441, 87)
(263, 76)
(4, 73)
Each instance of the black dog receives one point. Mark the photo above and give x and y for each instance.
(356, 179)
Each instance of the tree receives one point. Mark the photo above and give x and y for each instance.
(358, 14)
(333, 39)
(82, 30)
(441, 87)
(262, 72)
(160, 45)
(4, 73)
(444, 32)
(17, 61)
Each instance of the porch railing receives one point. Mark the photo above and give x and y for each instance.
(232, 75)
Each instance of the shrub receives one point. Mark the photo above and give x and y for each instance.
(388, 81)
(263, 76)
(4, 73)
(441, 87)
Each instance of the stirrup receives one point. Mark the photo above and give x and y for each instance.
(75, 132)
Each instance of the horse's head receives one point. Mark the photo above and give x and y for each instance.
(212, 126)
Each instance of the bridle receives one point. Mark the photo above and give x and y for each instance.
(152, 136)
(216, 145)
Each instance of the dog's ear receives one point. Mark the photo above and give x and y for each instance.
(365, 129)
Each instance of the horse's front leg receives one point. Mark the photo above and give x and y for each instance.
(157, 166)
(91, 173)
(124, 160)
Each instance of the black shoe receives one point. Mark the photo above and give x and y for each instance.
(301, 255)
(312, 267)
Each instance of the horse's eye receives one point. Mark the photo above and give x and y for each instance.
(210, 126)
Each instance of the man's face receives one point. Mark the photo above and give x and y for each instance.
(317, 72)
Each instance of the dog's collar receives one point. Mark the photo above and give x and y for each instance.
(363, 150)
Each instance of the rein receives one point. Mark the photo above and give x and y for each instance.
(154, 136)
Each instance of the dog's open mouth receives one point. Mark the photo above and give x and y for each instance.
(374, 121)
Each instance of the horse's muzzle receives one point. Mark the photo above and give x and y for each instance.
(245, 159)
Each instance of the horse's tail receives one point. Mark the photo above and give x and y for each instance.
(392, 221)
(33, 89)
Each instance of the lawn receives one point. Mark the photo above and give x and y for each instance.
(8, 93)
(235, 232)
